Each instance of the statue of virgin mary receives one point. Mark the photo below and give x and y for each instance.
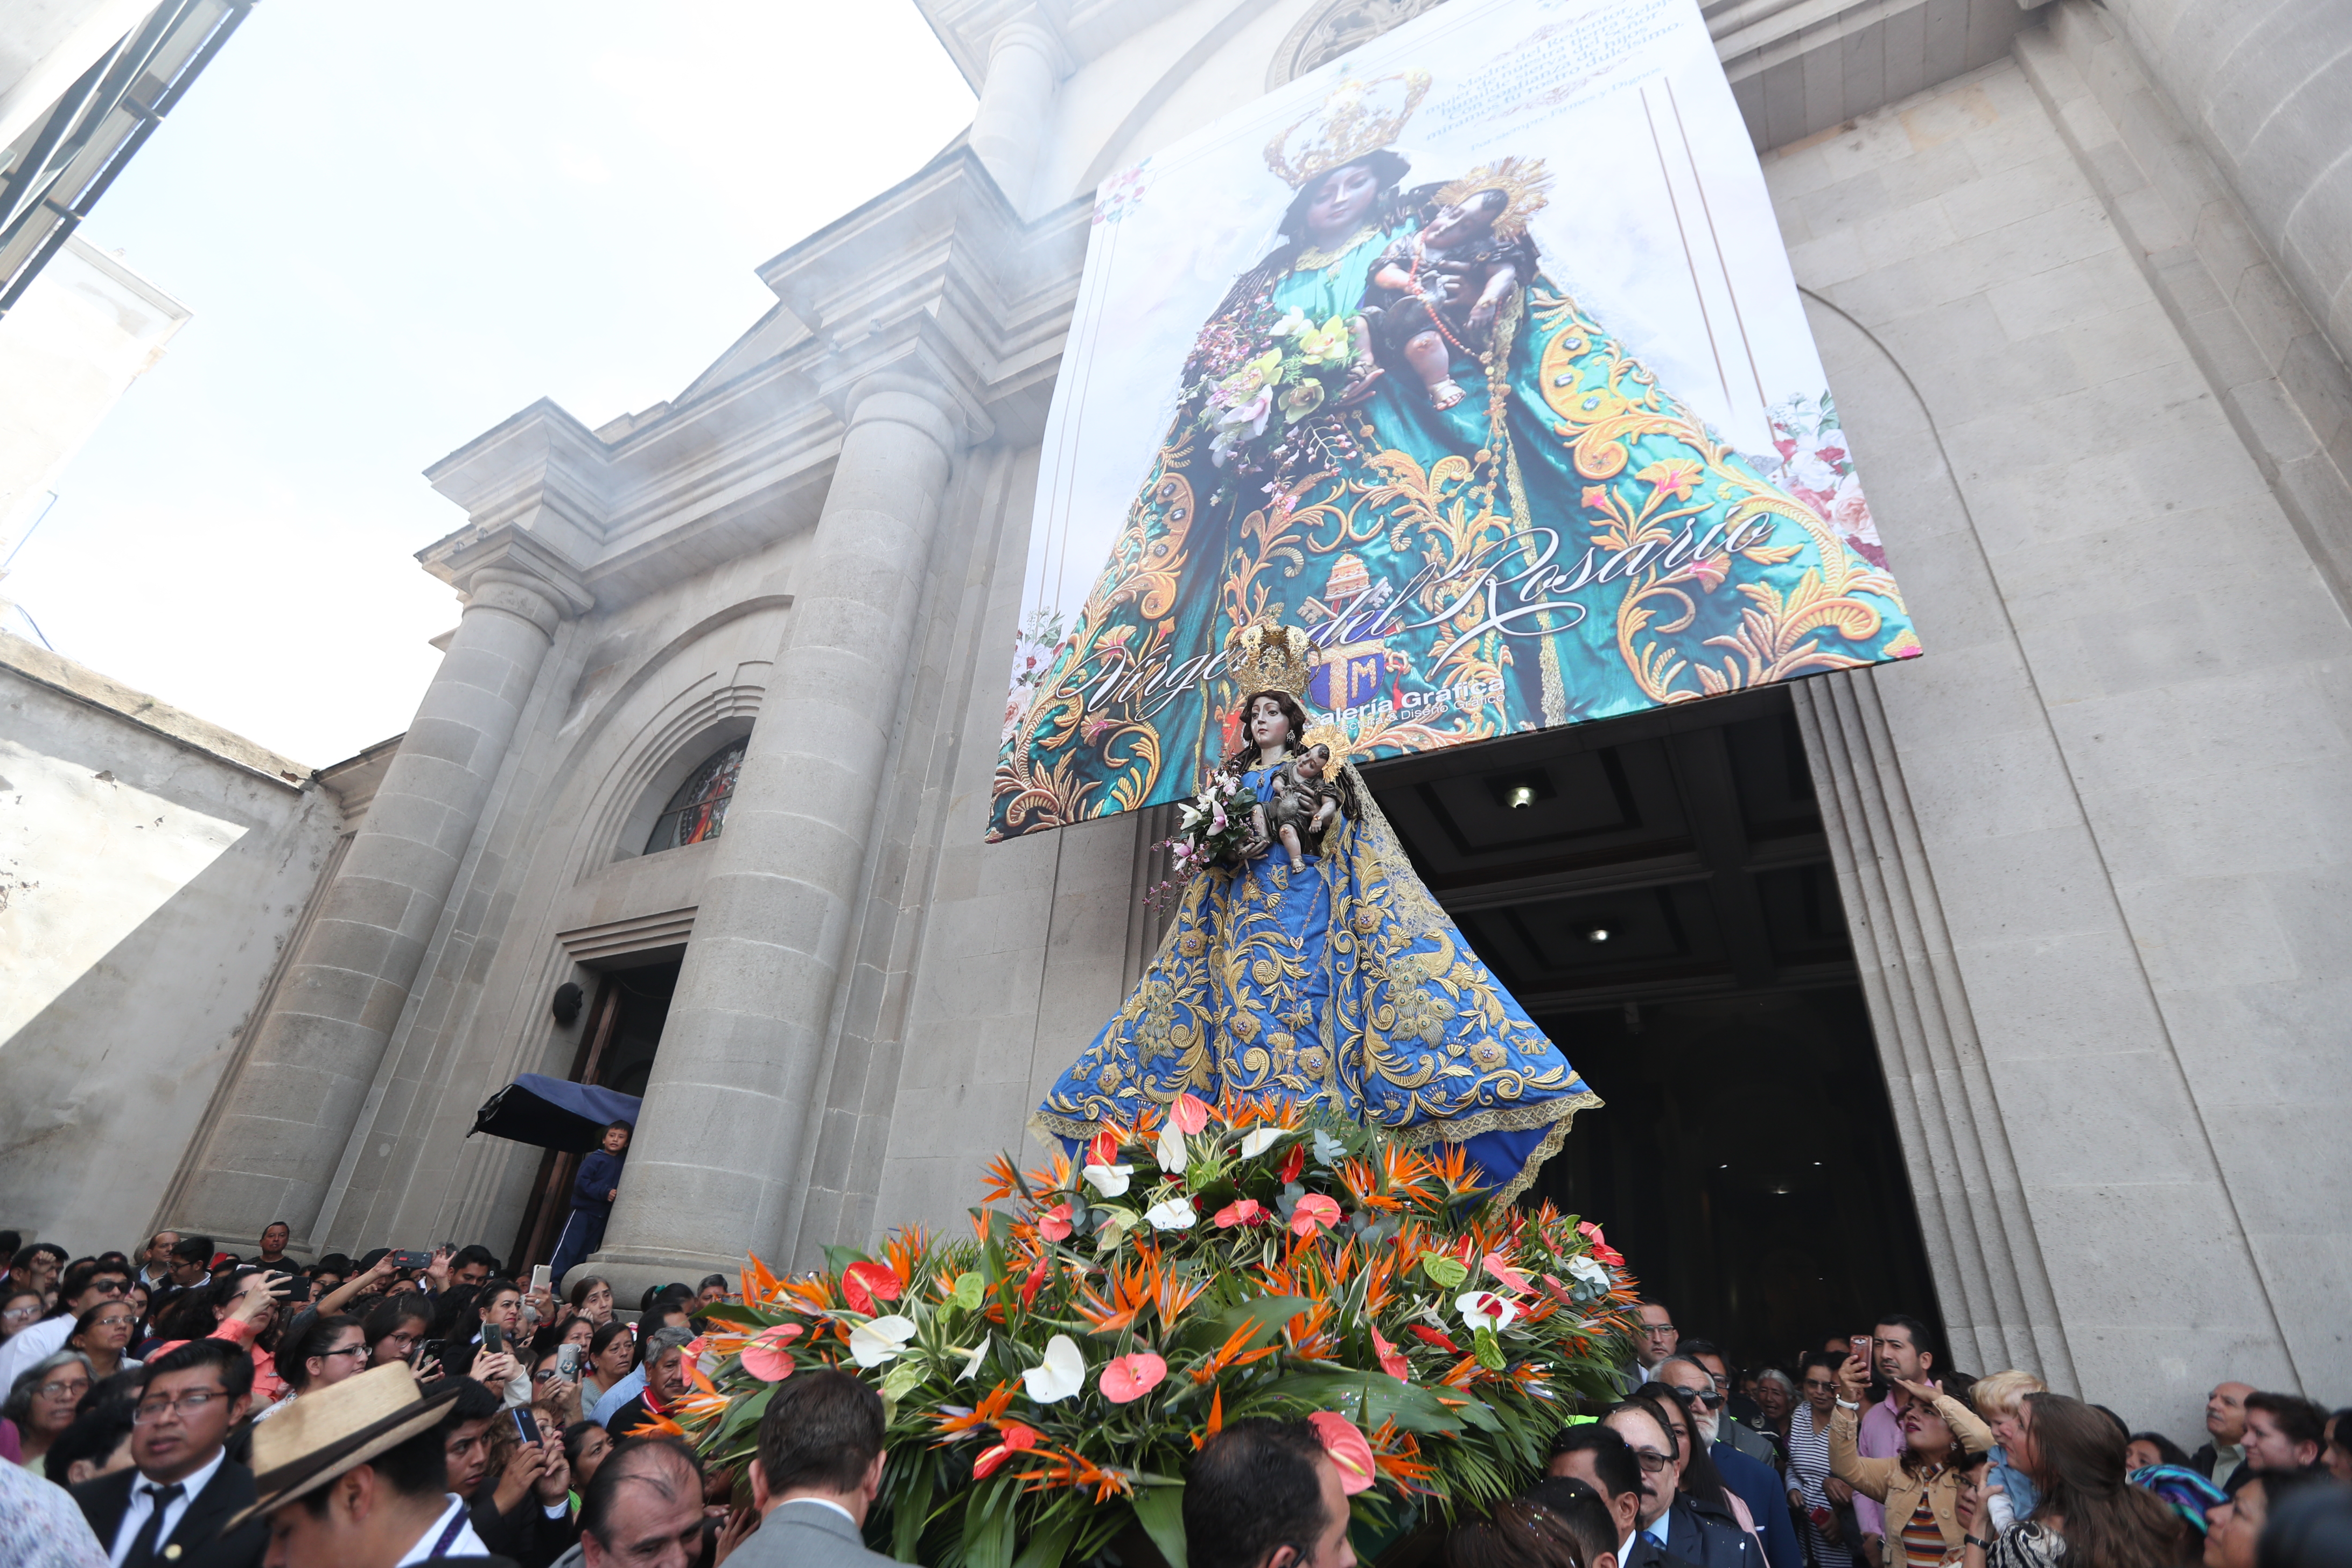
(1343, 985)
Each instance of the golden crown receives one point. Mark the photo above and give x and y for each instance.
(1266, 656)
(1523, 183)
(1359, 117)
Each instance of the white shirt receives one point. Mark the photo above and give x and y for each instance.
(134, 1517)
(31, 1346)
(824, 1503)
(465, 1543)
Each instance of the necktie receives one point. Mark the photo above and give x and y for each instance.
(151, 1534)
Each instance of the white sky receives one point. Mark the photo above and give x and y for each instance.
(397, 226)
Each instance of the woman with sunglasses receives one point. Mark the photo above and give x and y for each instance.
(317, 1352)
(1921, 1486)
(103, 1335)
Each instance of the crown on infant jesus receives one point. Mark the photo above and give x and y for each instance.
(1265, 655)
(1359, 117)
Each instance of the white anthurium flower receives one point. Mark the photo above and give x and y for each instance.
(972, 1361)
(1485, 1310)
(1258, 1140)
(881, 1340)
(1584, 1271)
(1064, 1374)
(1110, 1181)
(1171, 1149)
(1176, 1213)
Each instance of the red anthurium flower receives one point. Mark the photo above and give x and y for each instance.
(1294, 1162)
(1190, 1113)
(1054, 1225)
(1430, 1336)
(1350, 1453)
(1602, 1251)
(769, 1356)
(1127, 1378)
(1011, 1439)
(1508, 1278)
(1391, 1361)
(1103, 1149)
(1241, 1211)
(862, 1284)
(1314, 1210)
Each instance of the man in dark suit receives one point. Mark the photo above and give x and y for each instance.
(182, 1487)
(1597, 1458)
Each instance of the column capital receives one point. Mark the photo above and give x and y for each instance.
(1029, 31)
(912, 400)
(507, 568)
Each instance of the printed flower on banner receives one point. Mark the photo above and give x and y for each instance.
(1063, 1375)
(769, 1356)
(1673, 477)
(1127, 1378)
(1352, 1453)
(883, 1339)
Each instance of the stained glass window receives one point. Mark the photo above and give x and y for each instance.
(697, 811)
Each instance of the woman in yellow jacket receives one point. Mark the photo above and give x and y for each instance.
(1921, 1488)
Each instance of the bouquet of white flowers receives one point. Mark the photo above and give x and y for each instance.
(1212, 825)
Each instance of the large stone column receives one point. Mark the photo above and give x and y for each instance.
(1009, 125)
(273, 1148)
(722, 1137)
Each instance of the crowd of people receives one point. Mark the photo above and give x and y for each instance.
(200, 1409)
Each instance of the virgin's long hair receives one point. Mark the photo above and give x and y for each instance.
(1389, 209)
(1241, 761)
(2078, 1463)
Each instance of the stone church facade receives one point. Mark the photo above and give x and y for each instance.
(2081, 277)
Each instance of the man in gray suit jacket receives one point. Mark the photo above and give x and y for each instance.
(816, 1473)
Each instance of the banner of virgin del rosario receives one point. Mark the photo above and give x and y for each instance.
(1477, 355)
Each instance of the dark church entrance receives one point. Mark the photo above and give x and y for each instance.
(1657, 891)
(617, 1051)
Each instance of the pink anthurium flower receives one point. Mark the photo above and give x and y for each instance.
(1127, 1378)
(1190, 1113)
(769, 1356)
(1508, 1278)
(1314, 1210)
(1600, 1247)
(1241, 1211)
(1392, 1360)
(1351, 1454)
(1054, 1225)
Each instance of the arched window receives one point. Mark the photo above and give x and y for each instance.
(699, 808)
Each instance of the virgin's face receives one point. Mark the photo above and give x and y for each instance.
(1342, 202)
(1269, 726)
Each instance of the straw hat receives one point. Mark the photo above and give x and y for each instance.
(329, 1430)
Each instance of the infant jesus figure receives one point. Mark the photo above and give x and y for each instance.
(1434, 294)
(1305, 800)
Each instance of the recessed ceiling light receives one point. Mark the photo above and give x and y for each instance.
(1597, 933)
(1520, 796)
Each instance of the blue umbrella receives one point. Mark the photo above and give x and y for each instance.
(554, 1112)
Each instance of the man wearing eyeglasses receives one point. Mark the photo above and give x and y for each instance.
(82, 1292)
(169, 1508)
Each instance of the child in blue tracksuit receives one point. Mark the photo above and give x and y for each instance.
(592, 1192)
